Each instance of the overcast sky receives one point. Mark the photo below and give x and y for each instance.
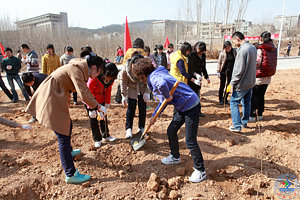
(98, 13)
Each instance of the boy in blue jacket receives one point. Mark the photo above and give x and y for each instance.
(187, 109)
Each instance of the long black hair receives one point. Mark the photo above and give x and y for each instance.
(200, 45)
(227, 44)
(266, 37)
(185, 47)
(94, 60)
(111, 70)
(138, 43)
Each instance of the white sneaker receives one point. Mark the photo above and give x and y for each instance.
(110, 139)
(170, 160)
(98, 144)
(128, 133)
(32, 120)
(141, 130)
(197, 176)
(233, 129)
(252, 119)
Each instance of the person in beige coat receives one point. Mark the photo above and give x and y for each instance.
(225, 68)
(133, 91)
(50, 106)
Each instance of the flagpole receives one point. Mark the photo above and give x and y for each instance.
(281, 26)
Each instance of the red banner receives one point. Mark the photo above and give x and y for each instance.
(2, 50)
(127, 39)
(251, 38)
(167, 42)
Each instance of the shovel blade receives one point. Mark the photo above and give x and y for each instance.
(137, 142)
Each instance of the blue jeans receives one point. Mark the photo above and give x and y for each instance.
(118, 58)
(65, 149)
(191, 120)
(238, 97)
(10, 79)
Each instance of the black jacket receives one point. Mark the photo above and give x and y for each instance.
(198, 65)
(163, 59)
(38, 79)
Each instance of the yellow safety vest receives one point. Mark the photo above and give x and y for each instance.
(175, 70)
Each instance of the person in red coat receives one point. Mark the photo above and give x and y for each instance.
(266, 67)
(101, 87)
(119, 55)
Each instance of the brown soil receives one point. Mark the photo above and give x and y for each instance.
(30, 165)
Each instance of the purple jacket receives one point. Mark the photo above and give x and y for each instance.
(161, 82)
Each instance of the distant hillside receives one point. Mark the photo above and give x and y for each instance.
(115, 27)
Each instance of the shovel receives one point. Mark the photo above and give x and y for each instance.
(138, 141)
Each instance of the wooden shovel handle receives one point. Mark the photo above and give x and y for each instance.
(162, 106)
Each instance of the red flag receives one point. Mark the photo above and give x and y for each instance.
(2, 50)
(166, 42)
(127, 40)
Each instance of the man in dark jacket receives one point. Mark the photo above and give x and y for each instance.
(34, 80)
(12, 66)
(160, 57)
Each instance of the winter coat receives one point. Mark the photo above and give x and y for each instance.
(131, 86)
(161, 82)
(14, 62)
(169, 54)
(50, 63)
(222, 59)
(197, 64)
(65, 59)
(268, 65)
(32, 61)
(101, 91)
(50, 103)
(175, 70)
(163, 59)
(38, 79)
(244, 70)
(120, 52)
(130, 51)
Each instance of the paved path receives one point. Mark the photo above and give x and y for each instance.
(282, 64)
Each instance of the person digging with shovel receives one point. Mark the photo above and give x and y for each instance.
(50, 105)
(187, 109)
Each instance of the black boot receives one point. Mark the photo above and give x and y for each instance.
(221, 102)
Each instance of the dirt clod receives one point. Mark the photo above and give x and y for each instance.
(173, 194)
(86, 184)
(121, 173)
(22, 162)
(174, 183)
(163, 192)
(181, 171)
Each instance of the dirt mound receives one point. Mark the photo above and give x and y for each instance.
(30, 163)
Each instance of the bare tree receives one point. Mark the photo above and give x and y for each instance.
(243, 4)
(212, 31)
(199, 12)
